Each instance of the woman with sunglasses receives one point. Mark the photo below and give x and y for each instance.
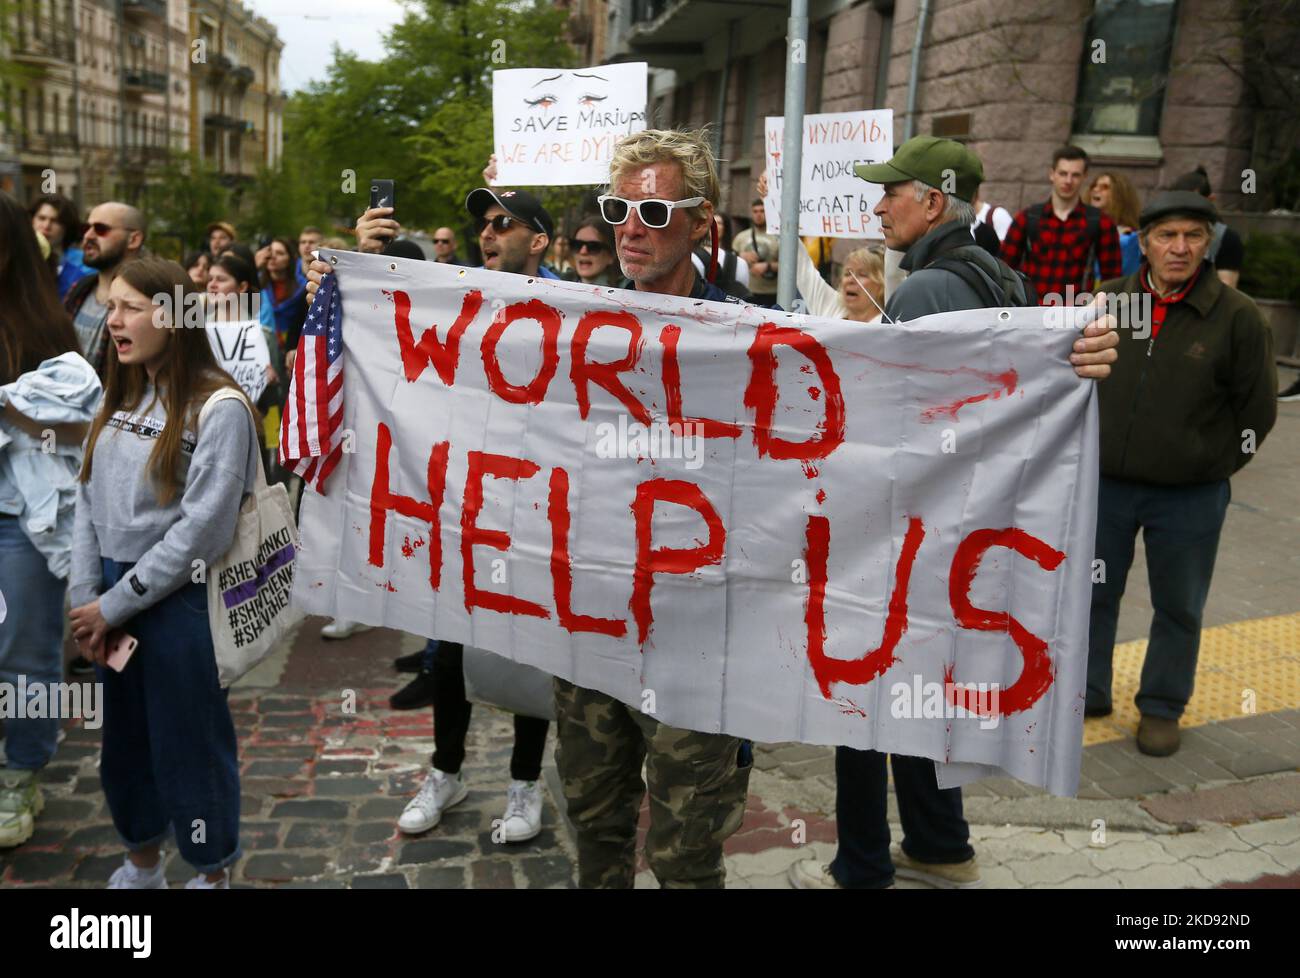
(159, 497)
(593, 254)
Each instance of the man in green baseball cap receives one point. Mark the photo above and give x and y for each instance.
(926, 212)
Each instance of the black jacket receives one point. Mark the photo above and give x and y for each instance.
(1190, 405)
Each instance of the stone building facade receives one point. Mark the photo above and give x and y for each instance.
(1011, 78)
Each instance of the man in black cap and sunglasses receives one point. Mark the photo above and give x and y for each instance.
(514, 230)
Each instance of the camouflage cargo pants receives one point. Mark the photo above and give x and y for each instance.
(697, 791)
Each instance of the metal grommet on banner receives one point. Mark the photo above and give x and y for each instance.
(1004, 315)
(461, 273)
(530, 281)
(334, 259)
(392, 266)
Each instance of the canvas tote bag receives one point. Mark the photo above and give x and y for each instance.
(248, 588)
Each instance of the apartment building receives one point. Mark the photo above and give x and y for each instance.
(1012, 78)
(95, 95)
(236, 105)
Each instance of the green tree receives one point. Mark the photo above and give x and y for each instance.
(422, 116)
(186, 197)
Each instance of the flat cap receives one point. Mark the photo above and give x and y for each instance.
(1181, 203)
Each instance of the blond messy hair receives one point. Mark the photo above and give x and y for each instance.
(870, 260)
(688, 148)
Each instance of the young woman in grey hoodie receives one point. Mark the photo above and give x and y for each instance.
(157, 503)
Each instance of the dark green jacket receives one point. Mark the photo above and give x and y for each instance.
(1178, 408)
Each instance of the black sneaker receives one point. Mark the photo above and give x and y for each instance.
(81, 666)
(415, 694)
(1292, 393)
(409, 663)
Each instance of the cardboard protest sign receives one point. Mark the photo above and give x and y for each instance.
(241, 351)
(559, 126)
(739, 520)
(833, 201)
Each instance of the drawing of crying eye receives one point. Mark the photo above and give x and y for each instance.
(541, 102)
(587, 101)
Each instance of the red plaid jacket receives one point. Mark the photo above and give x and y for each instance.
(1058, 257)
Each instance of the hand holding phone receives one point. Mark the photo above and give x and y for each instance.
(118, 647)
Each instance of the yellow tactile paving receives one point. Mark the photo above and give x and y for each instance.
(1260, 657)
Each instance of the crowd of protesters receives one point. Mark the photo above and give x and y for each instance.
(139, 491)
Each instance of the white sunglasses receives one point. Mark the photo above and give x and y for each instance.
(653, 213)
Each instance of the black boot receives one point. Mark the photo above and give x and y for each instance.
(409, 663)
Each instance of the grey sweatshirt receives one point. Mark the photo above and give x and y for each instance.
(118, 515)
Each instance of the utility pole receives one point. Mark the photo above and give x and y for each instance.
(796, 77)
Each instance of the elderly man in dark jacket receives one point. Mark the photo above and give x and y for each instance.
(1187, 405)
(947, 271)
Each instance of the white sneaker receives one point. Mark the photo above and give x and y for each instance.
(438, 793)
(342, 628)
(129, 876)
(200, 882)
(523, 818)
(809, 874)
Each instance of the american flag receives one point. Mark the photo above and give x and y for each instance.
(313, 414)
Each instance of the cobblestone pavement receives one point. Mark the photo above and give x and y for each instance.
(323, 786)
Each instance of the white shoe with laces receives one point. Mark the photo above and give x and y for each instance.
(438, 793)
(523, 818)
(129, 876)
(201, 882)
(342, 628)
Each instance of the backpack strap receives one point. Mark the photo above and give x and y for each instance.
(1033, 217)
(991, 295)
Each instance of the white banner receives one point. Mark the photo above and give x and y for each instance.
(834, 201)
(780, 527)
(241, 351)
(559, 126)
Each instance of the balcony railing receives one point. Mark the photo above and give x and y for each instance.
(220, 120)
(219, 64)
(145, 8)
(48, 49)
(138, 80)
(243, 75)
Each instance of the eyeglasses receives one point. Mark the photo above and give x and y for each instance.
(595, 247)
(443, 240)
(101, 229)
(502, 223)
(653, 213)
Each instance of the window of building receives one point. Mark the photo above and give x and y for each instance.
(1125, 68)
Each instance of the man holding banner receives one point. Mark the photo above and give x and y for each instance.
(947, 272)
(663, 186)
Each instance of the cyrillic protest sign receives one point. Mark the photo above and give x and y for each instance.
(241, 351)
(739, 520)
(834, 202)
(559, 126)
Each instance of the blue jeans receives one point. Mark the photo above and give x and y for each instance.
(170, 762)
(1180, 526)
(934, 829)
(31, 641)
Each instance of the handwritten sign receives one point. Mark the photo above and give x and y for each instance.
(559, 126)
(241, 351)
(834, 202)
(780, 527)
